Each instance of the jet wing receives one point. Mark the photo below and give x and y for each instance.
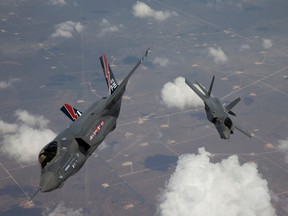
(125, 81)
(240, 128)
(121, 88)
(196, 90)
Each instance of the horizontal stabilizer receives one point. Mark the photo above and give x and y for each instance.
(70, 112)
(230, 106)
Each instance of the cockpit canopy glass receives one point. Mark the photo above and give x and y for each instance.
(47, 153)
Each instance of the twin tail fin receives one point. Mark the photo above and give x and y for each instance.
(109, 76)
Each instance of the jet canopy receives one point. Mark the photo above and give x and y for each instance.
(47, 153)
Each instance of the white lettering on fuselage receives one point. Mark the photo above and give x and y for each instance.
(97, 129)
(67, 167)
(72, 162)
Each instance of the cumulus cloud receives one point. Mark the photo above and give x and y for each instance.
(107, 27)
(244, 47)
(8, 83)
(142, 10)
(163, 62)
(57, 2)
(61, 210)
(199, 187)
(218, 55)
(67, 29)
(178, 94)
(24, 139)
(283, 147)
(267, 44)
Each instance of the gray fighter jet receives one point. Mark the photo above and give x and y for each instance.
(67, 153)
(219, 114)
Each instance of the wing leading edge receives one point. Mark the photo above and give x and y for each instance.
(196, 90)
(121, 88)
(239, 127)
(201, 91)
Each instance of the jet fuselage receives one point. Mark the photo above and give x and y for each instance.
(67, 153)
(217, 114)
(76, 143)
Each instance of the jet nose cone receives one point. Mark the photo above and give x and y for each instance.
(48, 182)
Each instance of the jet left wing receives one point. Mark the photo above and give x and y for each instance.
(70, 112)
(240, 128)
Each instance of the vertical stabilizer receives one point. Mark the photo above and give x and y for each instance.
(211, 86)
(109, 76)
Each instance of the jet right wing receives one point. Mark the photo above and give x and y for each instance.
(240, 128)
(125, 81)
(121, 88)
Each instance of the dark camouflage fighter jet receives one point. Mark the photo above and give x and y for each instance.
(219, 114)
(68, 152)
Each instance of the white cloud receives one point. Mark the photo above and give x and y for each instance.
(108, 28)
(199, 187)
(244, 47)
(24, 139)
(142, 10)
(163, 62)
(7, 84)
(67, 29)
(61, 210)
(7, 127)
(283, 147)
(267, 44)
(218, 55)
(178, 94)
(105, 22)
(57, 2)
